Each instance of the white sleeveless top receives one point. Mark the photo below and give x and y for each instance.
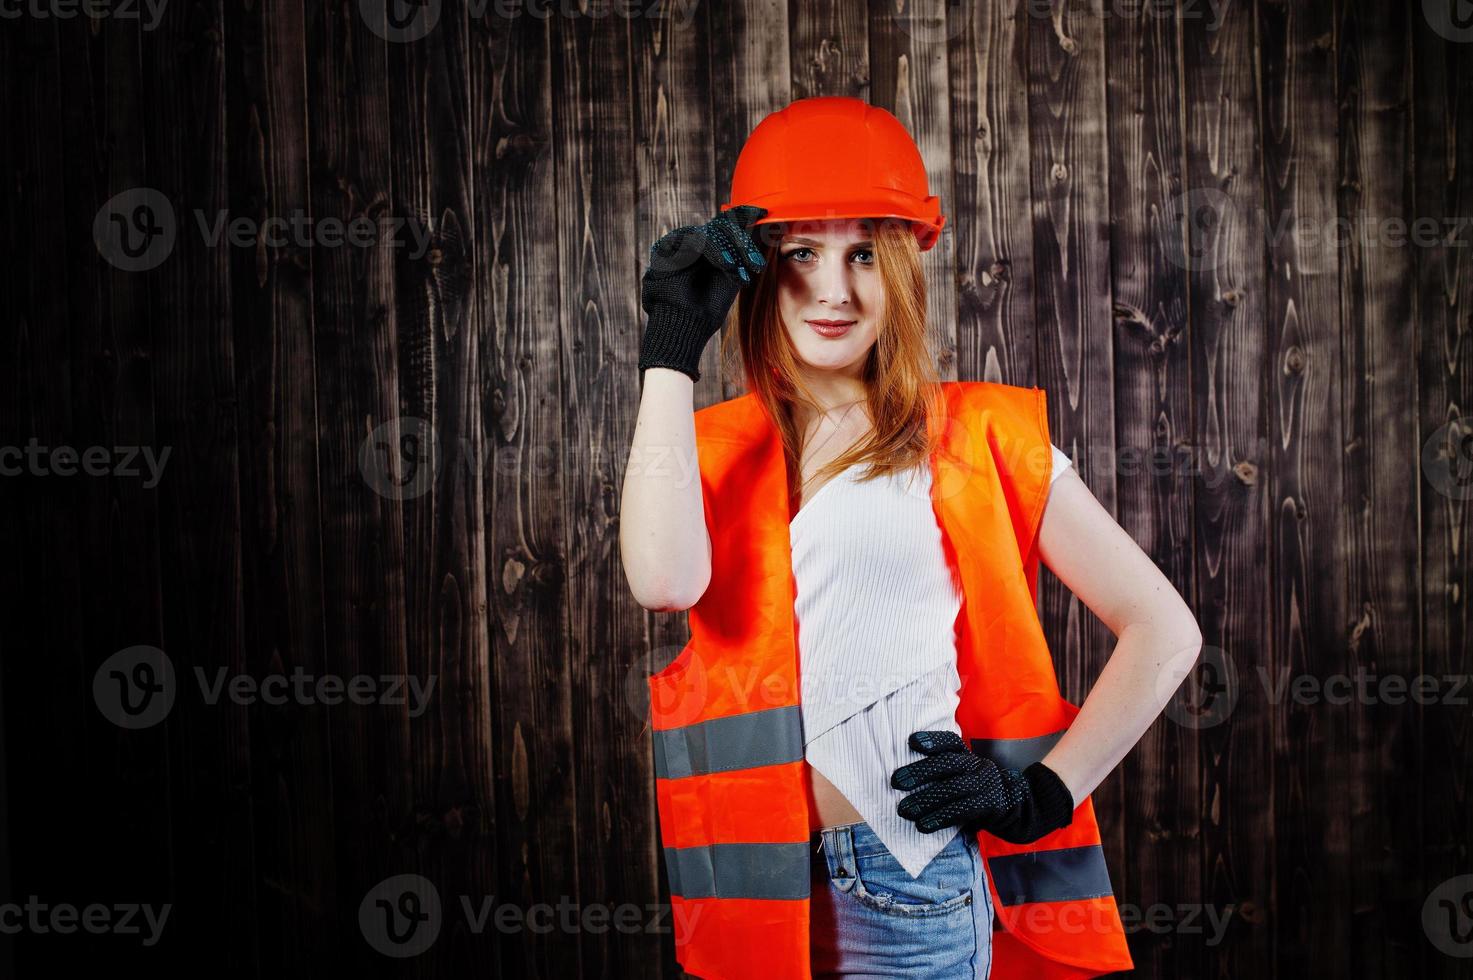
(876, 608)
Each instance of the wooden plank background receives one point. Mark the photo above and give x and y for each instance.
(389, 459)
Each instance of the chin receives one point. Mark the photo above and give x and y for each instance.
(831, 359)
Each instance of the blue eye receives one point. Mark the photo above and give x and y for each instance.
(856, 252)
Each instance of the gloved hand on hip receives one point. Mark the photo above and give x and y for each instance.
(956, 787)
(694, 275)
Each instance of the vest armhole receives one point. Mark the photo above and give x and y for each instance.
(1040, 489)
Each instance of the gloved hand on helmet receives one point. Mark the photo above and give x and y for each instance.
(694, 275)
(956, 787)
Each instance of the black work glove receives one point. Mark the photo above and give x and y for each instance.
(956, 787)
(694, 275)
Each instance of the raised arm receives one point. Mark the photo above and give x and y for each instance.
(663, 540)
(694, 275)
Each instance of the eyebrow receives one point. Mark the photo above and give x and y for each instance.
(867, 243)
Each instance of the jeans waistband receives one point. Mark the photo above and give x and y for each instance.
(849, 839)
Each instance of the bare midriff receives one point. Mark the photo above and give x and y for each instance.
(827, 807)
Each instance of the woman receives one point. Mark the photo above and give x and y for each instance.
(924, 727)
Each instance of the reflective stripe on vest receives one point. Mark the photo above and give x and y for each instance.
(738, 870)
(1017, 753)
(756, 738)
(1063, 874)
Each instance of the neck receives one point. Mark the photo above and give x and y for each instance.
(834, 395)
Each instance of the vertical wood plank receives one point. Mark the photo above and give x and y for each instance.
(1379, 385)
(1304, 476)
(1442, 100)
(1153, 406)
(517, 301)
(439, 345)
(992, 205)
(271, 307)
(596, 228)
(1225, 246)
(369, 456)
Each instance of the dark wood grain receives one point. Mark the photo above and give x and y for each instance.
(1244, 750)
(1379, 371)
(596, 230)
(516, 303)
(1304, 486)
(355, 343)
(441, 382)
(271, 307)
(992, 225)
(1442, 175)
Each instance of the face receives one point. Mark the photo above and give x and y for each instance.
(826, 272)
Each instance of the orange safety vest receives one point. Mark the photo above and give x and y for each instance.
(727, 733)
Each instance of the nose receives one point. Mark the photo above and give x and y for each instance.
(832, 285)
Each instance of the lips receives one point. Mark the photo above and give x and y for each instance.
(830, 328)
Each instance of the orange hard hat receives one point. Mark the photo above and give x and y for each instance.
(835, 157)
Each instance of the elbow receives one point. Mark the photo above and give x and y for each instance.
(665, 602)
(660, 605)
(668, 597)
(1181, 640)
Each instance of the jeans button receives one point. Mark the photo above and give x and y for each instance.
(969, 900)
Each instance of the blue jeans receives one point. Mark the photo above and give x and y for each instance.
(870, 918)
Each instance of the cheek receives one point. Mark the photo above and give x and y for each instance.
(871, 292)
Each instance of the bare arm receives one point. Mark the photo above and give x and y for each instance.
(1158, 636)
(662, 526)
